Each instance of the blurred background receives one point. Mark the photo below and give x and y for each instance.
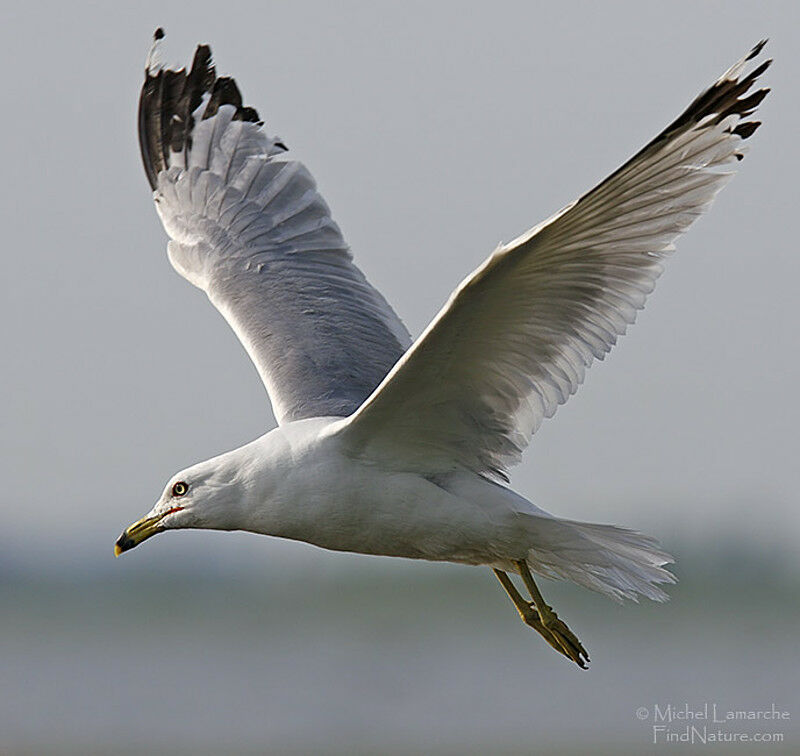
(434, 132)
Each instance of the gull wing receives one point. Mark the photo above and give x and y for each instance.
(249, 228)
(516, 337)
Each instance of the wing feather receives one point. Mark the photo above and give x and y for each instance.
(249, 227)
(515, 339)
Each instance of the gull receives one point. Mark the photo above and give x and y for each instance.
(396, 447)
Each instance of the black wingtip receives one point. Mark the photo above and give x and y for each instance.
(725, 97)
(746, 129)
(729, 96)
(757, 48)
(756, 72)
(203, 59)
(169, 99)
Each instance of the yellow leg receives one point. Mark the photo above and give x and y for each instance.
(527, 611)
(568, 641)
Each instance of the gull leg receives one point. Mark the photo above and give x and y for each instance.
(528, 612)
(568, 641)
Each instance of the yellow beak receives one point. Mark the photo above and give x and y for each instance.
(138, 532)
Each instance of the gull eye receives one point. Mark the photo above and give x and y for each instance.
(180, 488)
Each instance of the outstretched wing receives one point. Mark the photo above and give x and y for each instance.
(249, 228)
(515, 339)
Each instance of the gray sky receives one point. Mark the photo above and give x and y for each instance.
(434, 132)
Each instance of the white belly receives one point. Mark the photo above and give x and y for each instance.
(348, 506)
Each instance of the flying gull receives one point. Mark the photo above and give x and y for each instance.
(400, 447)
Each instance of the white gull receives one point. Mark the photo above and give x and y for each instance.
(390, 447)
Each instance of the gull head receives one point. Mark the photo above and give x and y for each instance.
(207, 495)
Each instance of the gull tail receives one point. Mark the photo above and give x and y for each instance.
(617, 562)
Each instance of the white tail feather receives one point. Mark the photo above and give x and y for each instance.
(620, 563)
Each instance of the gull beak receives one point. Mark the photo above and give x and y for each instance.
(141, 531)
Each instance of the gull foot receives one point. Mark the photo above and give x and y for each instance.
(566, 639)
(559, 636)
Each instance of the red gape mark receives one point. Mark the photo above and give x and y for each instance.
(174, 509)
